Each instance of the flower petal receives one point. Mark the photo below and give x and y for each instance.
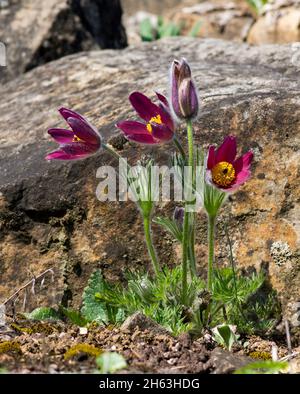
(242, 169)
(60, 155)
(163, 99)
(211, 157)
(131, 127)
(243, 162)
(227, 151)
(68, 113)
(84, 131)
(241, 178)
(144, 106)
(161, 132)
(142, 138)
(62, 136)
(174, 76)
(164, 105)
(79, 149)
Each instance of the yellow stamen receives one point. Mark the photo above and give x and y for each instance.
(155, 119)
(223, 174)
(76, 139)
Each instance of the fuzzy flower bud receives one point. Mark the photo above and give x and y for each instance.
(184, 96)
(178, 216)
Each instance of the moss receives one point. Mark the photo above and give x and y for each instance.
(82, 348)
(41, 328)
(10, 346)
(21, 330)
(260, 355)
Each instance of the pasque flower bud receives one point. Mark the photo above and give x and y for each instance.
(184, 96)
(178, 216)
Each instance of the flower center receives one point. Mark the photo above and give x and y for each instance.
(155, 119)
(223, 174)
(76, 139)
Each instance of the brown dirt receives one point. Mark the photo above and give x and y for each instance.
(43, 347)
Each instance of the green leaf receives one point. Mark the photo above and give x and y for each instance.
(225, 336)
(74, 316)
(257, 5)
(110, 362)
(43, 313)
(146, 30)
(262, 367)
(171, 226)
(169, 30)
(224, 286)
(93, 309)
(195, 29)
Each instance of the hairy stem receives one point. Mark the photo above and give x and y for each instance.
(150, 246)
(186, 226)
(192, 258)
(112, 152)
(211, 248)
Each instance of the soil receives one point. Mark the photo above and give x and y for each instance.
(44, 347)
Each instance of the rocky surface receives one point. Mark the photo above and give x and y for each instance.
(50, 216)
(36, 32)
(229, 20)
(276, 22)
(143, 323)
(224, 362)
(154, 6)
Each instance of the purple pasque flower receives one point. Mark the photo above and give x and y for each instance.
(184, 97)
(83, 140)
(223, 170)
(158, 126)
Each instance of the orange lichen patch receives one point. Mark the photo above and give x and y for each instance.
(255, 246)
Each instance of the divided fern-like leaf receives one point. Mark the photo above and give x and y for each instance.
(93, 309)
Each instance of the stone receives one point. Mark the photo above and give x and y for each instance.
(49, 213)
(137, 11)
(36, 32)
(225, 362)
(153, 6)
(142, 322)
(216, 18)
(279, 23)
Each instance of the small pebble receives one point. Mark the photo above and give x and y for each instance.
(83, 331)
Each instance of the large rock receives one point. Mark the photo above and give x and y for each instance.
(206, 19)
(50, 216)
(216, 18)
(36, 32)
(279, 23)
(155, 6)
